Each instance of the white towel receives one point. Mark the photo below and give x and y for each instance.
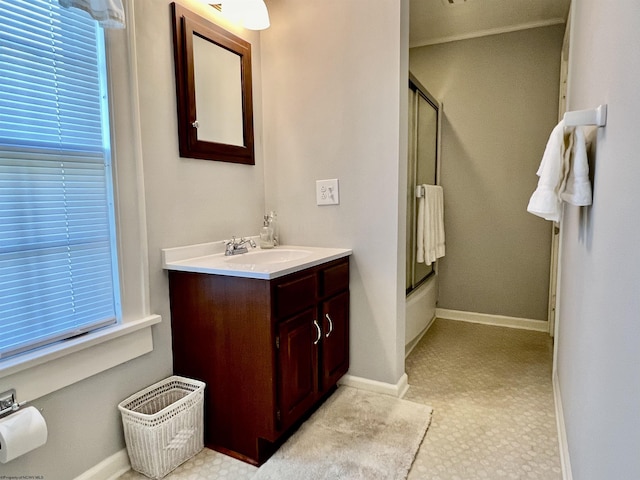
(545, 201)
(577, 190)
(108, 13)
(430, 225)
(420, 233)
(563, 172)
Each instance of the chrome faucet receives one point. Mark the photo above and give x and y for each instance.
(236, 247)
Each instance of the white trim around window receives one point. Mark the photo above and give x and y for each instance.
(43, 371)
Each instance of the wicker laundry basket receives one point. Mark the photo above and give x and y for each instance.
(163, 425)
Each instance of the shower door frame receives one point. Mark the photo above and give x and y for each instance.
(420, 90)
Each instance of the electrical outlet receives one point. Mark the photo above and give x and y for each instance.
(327, 192)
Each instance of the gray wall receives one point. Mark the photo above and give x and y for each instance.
(500, 100)
(598, 356)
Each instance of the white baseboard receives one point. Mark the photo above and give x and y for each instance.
(395, 390)
(496, 320)
(565, 462)
(110, 468)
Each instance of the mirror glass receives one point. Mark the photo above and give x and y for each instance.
(219, 108)
(213, 90)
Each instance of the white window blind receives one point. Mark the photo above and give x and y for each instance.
(58, 267)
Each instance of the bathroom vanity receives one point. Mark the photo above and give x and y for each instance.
(268, 331)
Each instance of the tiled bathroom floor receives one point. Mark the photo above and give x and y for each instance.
(493, 418)
(491, 391)
(207, 465)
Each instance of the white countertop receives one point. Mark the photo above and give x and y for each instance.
(257, 263)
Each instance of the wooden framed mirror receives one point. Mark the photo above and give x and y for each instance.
(213, 90)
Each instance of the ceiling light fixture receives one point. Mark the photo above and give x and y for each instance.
(251, 14)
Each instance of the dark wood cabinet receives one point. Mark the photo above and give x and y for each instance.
(269, 350)
(297, 367)
(335, 348)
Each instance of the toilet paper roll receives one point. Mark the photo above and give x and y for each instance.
(21, 432)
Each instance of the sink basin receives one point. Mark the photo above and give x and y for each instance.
(268, 257)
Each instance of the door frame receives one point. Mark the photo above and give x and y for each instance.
(555, 268)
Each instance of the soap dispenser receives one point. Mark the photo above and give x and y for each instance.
(266, 234)
(273, 223)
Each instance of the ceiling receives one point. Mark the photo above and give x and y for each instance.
(439, 21)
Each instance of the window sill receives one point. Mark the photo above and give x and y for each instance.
(48, 369)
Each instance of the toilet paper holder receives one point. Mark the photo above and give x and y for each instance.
(9, 402)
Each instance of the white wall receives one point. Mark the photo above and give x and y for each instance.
(335, 79)
(187, 201)
(599, 326)
(335, 107)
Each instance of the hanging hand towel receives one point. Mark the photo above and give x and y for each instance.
(420, 227)
(430, 235)
(545, 202)
(577, 190)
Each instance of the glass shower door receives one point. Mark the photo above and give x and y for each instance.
(422, 169)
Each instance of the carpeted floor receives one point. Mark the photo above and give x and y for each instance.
(493, 417)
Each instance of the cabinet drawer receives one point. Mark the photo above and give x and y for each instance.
(295, 295)
(334, 279)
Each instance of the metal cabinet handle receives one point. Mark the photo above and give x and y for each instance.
(315, 322)
(330, 325)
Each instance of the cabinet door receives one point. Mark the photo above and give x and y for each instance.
(298, 366)
(335, 341)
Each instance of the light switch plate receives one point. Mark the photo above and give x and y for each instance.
(327, 192)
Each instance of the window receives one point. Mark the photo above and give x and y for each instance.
(58, 262)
